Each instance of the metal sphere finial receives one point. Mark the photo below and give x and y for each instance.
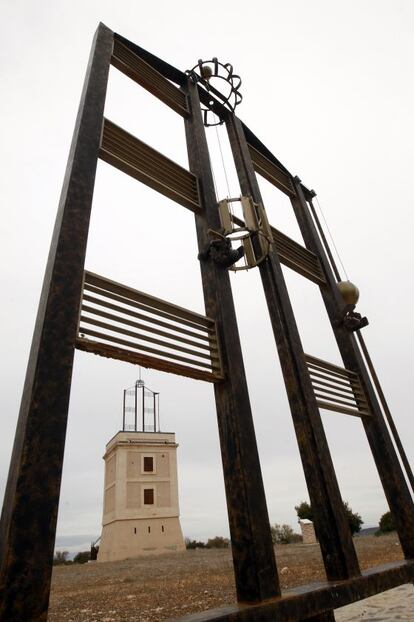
(349, 292)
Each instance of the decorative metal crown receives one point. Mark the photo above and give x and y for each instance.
(208, 73)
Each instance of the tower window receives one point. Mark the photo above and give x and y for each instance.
(135, 530)
(148, 464)
(149, 529)
(148, 496)
(162, 528)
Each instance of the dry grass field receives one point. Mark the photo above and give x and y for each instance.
(152, 589)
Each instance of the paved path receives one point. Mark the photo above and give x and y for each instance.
(390, 606)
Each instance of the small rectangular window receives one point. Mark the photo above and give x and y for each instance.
(148, 496)
(148, 464)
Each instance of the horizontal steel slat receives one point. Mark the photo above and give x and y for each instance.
(138, 70)
(302, 261)
(335, 369)
(136, 159)
(148, 329)
(308, 273)
(353, 392)
(207, 332)
(342, 409)
(150, 181)
(141, 347)
(135, 335)
(147, 162)
(141, 163)
(326, 375)
(138, 358)
(295, 250)
(312, 271)
(145, 75)
(161, 349)
(149, 319)
(348, 395)
(142, 72)
(136, 150)
(335, 400)
(150, 301)
(271, 172)
(135, 62)
(336, 388)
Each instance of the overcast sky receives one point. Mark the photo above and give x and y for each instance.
(328, 87)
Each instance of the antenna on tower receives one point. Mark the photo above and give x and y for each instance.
(140, 408)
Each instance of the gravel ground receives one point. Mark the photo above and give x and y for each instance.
(152, 589)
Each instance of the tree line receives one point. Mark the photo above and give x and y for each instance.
(281, 534)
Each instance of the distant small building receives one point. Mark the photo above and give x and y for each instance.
(141, 511)
(308, 531)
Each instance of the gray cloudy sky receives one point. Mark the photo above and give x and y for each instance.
(328, 88)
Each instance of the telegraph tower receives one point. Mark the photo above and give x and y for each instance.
(141, 512)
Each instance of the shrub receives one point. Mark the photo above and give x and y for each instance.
(60, 557)
(193, 544)
(283, 534)
(82, 557)
(387, 523)
(304, 511)
(354, 519)
(218, 542)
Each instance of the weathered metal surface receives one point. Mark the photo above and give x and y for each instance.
(133, 157)
(253, 556)
(297, 257)
(331, 524)
(180, 78)
(201, 360)
(30, 508)
(336, 388)
(308, 601)
(386, 460)
(141, 72)
(293, 255)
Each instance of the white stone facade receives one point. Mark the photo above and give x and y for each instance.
(141, 512)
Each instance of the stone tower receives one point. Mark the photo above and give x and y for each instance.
(141, 512)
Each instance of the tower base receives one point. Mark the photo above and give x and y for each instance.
(123, 539)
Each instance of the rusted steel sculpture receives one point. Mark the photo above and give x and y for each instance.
(82, 310)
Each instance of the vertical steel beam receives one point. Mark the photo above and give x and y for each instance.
(253, 554)
(28, 522)
(331, 525)
(385, 456)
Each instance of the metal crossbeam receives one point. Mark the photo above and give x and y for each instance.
(271, 172)
(293, 255)
(119, 322)
(314, 599)
(124, 59)
(336, 388)
(132, 156)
